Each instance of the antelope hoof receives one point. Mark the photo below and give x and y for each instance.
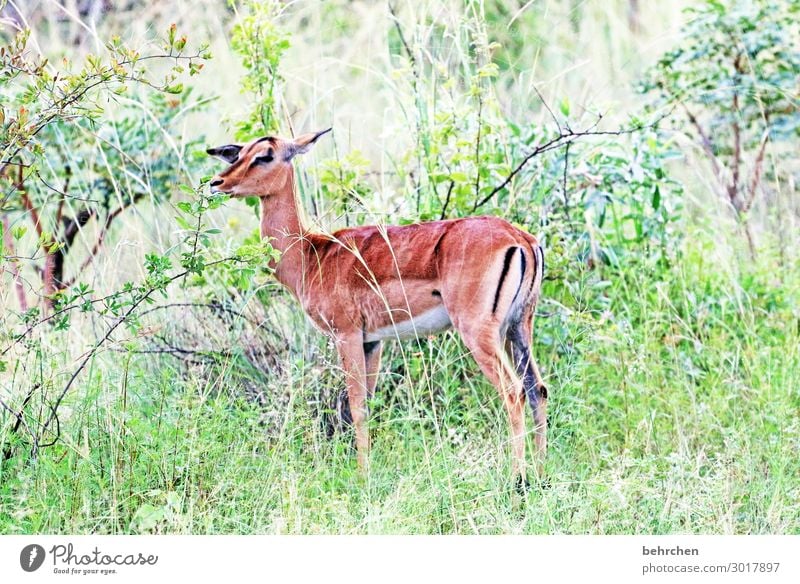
(343, 410)
(338, 418)
(522, 485)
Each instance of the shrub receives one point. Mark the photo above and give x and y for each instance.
(733, 83)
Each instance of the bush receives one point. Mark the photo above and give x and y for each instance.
(733, 84)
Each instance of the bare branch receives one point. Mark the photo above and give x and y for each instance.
(447, 200)
(705, 142)
(548, 108)
(733, 188)
(758, 168)
(403, 41)
(566, 137)
(101, 237)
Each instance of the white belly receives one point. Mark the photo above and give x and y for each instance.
(429, 322)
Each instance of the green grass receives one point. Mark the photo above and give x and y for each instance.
(674, 410)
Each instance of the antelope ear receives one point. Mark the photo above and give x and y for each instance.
(228, 153)
(304, 142)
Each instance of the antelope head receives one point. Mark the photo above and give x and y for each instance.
(261, 167)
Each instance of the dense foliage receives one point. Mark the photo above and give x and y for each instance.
(733, 83)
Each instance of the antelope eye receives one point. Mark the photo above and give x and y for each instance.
(264, 158)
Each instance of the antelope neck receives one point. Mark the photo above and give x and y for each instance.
(282, 222)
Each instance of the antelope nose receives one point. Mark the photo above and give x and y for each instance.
(216, 182)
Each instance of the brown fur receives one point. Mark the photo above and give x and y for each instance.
(360, 280)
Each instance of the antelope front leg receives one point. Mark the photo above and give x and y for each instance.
(351, 353)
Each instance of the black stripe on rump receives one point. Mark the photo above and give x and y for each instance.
(522, 266)
(540, 257)
(535, 267)
(506, 263)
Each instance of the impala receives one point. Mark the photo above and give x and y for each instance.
(363, 285)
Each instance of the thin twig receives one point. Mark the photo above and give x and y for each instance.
(478, 148)
(402, 37)
(447, 200)
(547, 107)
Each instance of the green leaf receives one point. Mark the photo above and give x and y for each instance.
(564, 106)
(183, 223)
